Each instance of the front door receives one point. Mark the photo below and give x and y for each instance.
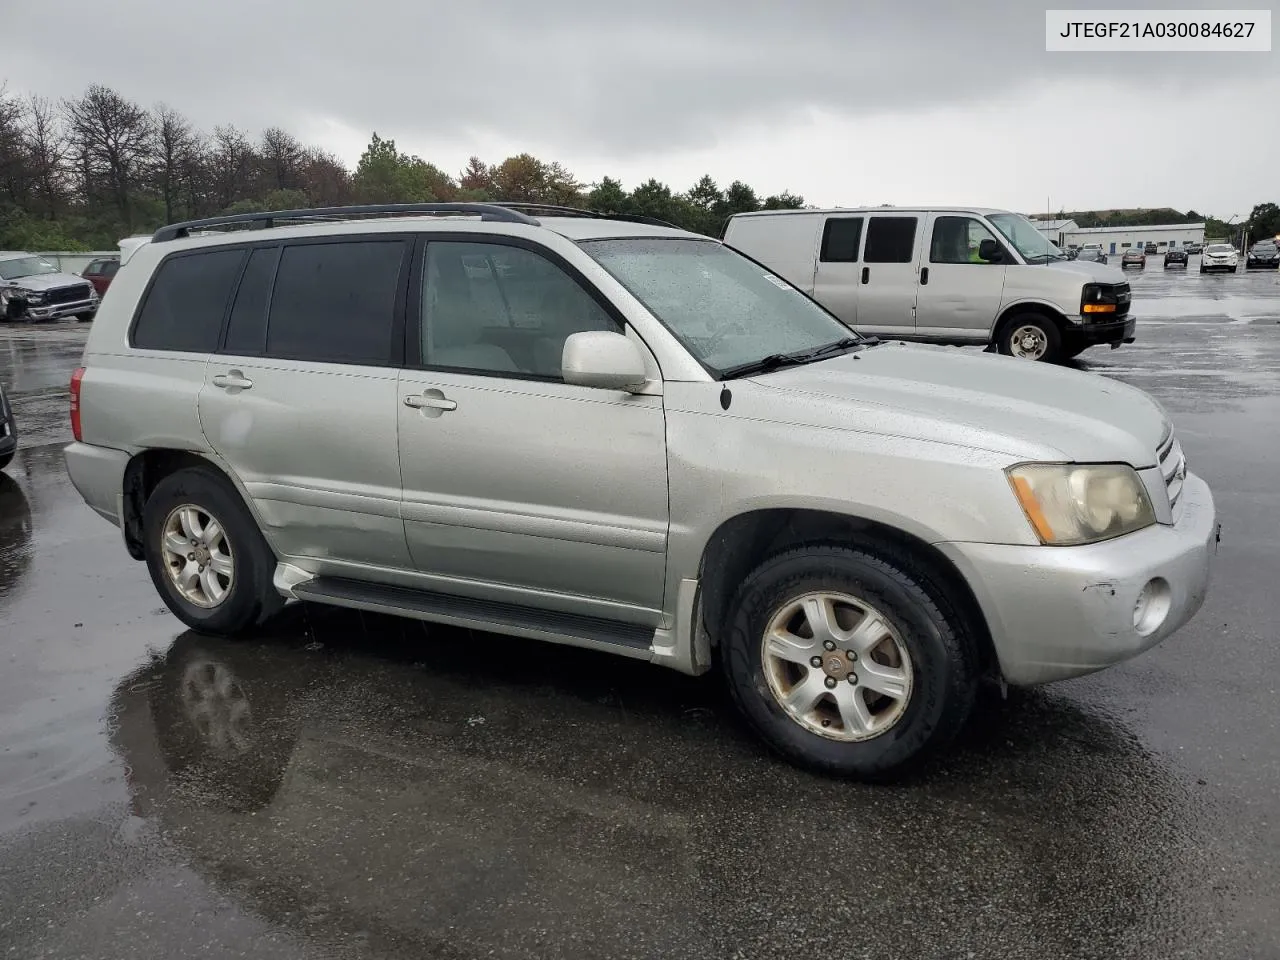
(301, 400)
(960, 293)
(887, 292)
(519, 487)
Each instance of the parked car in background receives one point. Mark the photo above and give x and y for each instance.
(33, 289)
(1193, 248)
(1175, 258)
(100, 272)
(1008, 520)
(1263, 255)
(8, 431)
(1151, 250)
(1219, 256)
(950, 275)
(1133, 257)
(1091, 255)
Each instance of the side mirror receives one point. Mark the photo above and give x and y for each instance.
(597, 358)
(990, 251)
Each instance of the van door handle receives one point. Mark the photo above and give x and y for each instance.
(924, 276)
(426, 401)
(866, 274)
(234, 380)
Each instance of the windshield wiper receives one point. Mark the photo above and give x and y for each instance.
(1044, 257)
(776, 360)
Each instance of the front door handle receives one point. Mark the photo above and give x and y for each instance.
(234, 380)
(432, 400)
(866, 274)
(924, 276)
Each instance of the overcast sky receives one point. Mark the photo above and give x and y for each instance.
(845, 102)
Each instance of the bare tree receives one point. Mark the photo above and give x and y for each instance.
(15, 172)
(231, 164)
(110, 136)
(173, 148)
(46, 148)
(280, 157)
(325, 179)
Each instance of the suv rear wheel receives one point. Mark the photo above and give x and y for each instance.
(207, 558)
(847, 664)
(1030, 336)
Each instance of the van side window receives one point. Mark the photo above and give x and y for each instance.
(890, 240)
(187, 300)
(957, 240)
(841, 237)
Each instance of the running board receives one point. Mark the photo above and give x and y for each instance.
(509, 618)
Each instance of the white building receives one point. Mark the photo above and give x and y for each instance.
(1119, 239)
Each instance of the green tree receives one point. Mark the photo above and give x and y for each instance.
(607, 196)
(385, 175)
(1264, 221)
(786, 200)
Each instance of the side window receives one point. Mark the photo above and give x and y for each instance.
(840, 239)
(93, 269)
(890, 240)
(183, 310)
(247, 328)
(335, 302)
(957, 240)
(110, 268)
(494, 308)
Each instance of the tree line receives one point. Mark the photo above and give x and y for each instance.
(81, 173)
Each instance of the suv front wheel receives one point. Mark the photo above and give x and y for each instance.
(847, 664)
(206, 555)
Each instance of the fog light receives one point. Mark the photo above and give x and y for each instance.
(1151, 607)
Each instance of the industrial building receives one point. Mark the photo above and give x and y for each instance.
(1067, 234)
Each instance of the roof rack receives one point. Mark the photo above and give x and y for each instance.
(554, 210)
(265, 220)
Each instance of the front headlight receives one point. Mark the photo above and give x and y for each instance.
(1069, 504)
(31, 296)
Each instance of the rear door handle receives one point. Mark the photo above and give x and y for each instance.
(866, 274)
(924, 276)
(234, 380)
(420, 401)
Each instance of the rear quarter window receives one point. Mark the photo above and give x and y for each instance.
(183, 308)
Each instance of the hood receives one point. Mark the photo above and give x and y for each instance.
(1089, 271)
(47, 281)
(1027, 410)
(1220, 255)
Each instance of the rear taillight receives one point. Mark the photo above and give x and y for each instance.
(76, 377)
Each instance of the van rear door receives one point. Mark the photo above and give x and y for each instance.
(784, 242)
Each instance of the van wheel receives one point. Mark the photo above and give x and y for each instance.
(845, 663)
(1030, 336)
(207, 557)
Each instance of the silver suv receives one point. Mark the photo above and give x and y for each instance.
(615, 434)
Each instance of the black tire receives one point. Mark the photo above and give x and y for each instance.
(1052, 336)
(251, 597)
(6, 458)
(1235, 269)
(945, 675)
(86, 317)
(1202, 270)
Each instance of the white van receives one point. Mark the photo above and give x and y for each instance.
(957, 275)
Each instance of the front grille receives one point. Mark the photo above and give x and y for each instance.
(68, 294)
(1173, 467)
(1124, 299)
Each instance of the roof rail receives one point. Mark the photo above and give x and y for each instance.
(267, 219)
(554, 210)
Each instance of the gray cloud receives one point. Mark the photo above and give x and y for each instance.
(614, 79)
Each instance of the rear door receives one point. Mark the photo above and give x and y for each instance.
(837, 281)
(959, 294)
(301, 398)
(888, 277)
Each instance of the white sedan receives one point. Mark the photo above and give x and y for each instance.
(1219, 256)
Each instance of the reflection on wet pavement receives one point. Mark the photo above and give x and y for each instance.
(351, 785)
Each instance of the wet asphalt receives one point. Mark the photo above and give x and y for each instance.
(359, 786)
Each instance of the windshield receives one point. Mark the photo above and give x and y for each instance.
(25, 267)
(1025, 238)
(1220, 248)
(725, 309)
(1264, 245)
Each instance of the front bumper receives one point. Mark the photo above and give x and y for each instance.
(1060, 612)
(1120, 331)
(59, 310)
(1266, 264)
(1220, 264)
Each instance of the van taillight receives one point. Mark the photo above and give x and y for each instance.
(76, 377)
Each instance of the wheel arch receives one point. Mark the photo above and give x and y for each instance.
(1014, 310)
(741, 543)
